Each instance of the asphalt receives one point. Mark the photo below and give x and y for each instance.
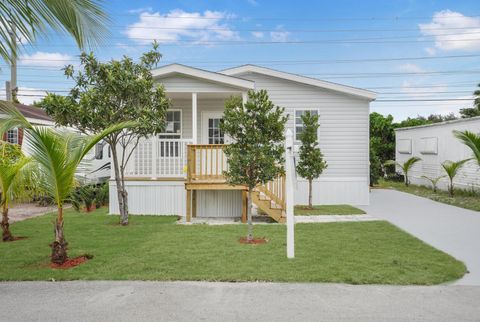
(453, 230)
(202, 301)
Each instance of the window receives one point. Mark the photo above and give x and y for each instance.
(173, 129)
(215, 135)
(299, 122)
(99, 151)
(12, 136)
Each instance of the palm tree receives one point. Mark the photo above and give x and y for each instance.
(471, 140)
(434, 181)
(84, 20)
(451, 168)
(58, 155)
(12, 173)
(406, 167)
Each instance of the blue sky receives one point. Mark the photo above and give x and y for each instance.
(404, 50)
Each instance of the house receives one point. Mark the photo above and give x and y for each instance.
(180, 171)
(434, 144)
(96, 167)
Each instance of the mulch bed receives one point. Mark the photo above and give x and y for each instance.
(72, 262)
(255, 241)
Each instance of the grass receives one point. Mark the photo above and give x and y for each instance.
(462, 198)
(301, 210)
(155, 248)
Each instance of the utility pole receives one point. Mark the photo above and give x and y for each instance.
(13, 65)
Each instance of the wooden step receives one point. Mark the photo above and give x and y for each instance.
(266, 206)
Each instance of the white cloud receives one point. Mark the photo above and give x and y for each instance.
(139, 10)
(27, 95)
(253, 2)
(258, 34)
(430, 51)
(448, 25)
(411, 68)
(279, 34)
(41, 58)
(178, 25)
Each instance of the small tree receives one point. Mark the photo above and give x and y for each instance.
(434, 181)
(472, 140)
(58, 155)
(109, 93)
(406, 167)
(451, 168)
(311, 164)
(256, 155)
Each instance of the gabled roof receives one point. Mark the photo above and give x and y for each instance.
(202, 74)
(33, 112)
(300, 79)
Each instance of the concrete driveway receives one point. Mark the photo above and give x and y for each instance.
(200, 301)
(453, 230)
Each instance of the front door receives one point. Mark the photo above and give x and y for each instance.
(211, 133)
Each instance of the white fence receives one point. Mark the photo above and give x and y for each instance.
(158, 158)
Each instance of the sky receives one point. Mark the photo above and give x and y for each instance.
(421, 57)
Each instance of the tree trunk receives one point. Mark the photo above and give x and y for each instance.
(59, 246)
(406, 179)
(122, 194)
(451, 188)
(249, 216)
(6, 234)
(310, 193)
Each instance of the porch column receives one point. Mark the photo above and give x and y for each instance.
(244, 97)
(194, 118)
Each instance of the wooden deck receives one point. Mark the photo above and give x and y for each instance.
(206, 164)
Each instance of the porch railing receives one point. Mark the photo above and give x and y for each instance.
(158, 158)
(206, 163)
(275, 190)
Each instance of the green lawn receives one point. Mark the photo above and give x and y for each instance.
(155, 248)
(461, 198)
(328, 210)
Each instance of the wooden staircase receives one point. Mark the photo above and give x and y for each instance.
(270, 198)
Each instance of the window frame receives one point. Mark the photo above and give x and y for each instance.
(295, 120)
(16, 136)
(162, 136)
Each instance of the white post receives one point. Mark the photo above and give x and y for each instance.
(244, 97)
(153, 141)
(289, 194)
(194, 118)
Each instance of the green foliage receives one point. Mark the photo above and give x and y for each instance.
(84, 20)
(257, 127)
(311, 163)
(451, 169)
(406, 167)
(433, 181)
(375, 164)
(421, 120)
(109, 93)
(471, 140)
(472, 111)
(102, 195)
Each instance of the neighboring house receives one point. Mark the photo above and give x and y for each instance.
(434, 144)
(96, 167)
(180, 171)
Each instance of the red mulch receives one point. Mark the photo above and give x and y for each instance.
(254, 241)
(72, 262)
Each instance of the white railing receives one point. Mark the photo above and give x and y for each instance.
(158, 158)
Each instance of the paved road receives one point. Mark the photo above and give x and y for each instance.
(197, 301)
(454, 230)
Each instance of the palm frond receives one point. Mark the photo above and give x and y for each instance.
(471, 140)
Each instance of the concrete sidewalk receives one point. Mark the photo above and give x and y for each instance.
(195, 301)
(453, 230)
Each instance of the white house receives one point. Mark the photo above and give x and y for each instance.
(180, 172)
(434, 144)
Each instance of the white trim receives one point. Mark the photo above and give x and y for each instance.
(369, 95)
(476, 118)
(194, 118)
(181, 123)
(202, 74)
(294, 119)
(204, 127)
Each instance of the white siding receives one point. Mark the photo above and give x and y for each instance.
(181, 83)
(425, 140)
(151, 197)
(219, 203)
(343, 137)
